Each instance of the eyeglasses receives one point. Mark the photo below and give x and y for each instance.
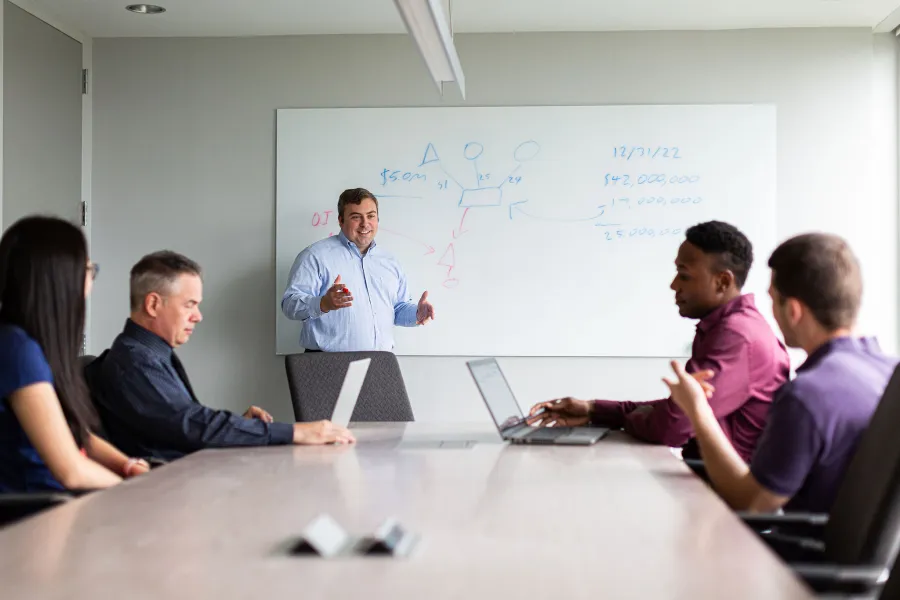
(94, 270)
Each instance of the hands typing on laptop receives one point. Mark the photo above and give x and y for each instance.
(543, 426)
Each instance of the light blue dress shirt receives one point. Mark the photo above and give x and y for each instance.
(378, 287)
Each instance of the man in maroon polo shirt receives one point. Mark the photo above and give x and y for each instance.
(733, 340)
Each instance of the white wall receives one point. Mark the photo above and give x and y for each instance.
(184, 159)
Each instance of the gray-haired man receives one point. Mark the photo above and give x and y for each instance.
(142, 391)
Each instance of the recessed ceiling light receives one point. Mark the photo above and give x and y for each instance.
(145, 9)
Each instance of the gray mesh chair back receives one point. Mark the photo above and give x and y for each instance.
(315, 379)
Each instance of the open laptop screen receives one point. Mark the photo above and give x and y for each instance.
(496, 392)
(353, 382)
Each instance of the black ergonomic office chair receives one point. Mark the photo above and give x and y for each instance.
(315, 380)
(891, 590)
(84, 361)
(853, 545)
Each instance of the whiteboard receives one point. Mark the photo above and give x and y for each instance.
(537, 231)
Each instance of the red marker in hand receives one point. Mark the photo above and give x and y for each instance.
(344, 289)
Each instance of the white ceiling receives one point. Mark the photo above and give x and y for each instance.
(108, 18)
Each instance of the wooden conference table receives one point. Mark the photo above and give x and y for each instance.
(617, 520)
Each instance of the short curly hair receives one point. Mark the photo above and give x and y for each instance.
(731, 247)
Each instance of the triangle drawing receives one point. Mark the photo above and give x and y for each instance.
(431, 155)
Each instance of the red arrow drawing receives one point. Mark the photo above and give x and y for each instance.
(448, 259)
(459, 230)
(429, 249)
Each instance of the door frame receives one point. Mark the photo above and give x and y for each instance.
(87, 120)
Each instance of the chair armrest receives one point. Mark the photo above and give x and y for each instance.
(34, 498)
(795, 537)
(698, 467)
(789, 518)
(18, 506)
(809, 525)
(841, 578)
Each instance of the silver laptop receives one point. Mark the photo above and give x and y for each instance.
(353, 382)
(508, 417)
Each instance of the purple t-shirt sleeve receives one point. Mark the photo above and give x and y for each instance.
(22, 362)
(788, 448)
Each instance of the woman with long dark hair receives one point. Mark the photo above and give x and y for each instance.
(46, 416)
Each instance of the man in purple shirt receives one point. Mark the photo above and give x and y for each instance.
(733, 340)
(817, 419)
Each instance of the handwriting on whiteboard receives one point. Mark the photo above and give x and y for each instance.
(614, 216)
(636, 152)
